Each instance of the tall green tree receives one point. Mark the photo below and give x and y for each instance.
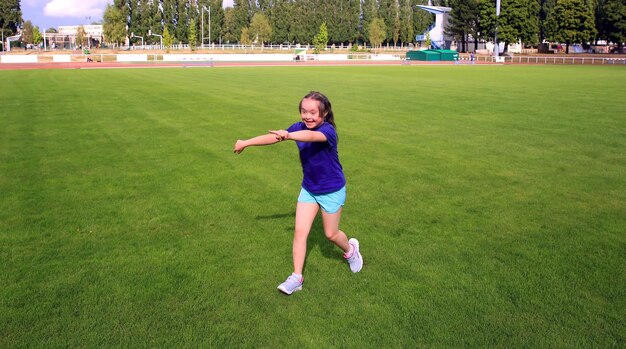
(193, 35)
(113, 25)
(377, 32)
(397, 28)
(388, 10)
(260, 28)
(407, 34)
(134, 13)
(214, 20)
(518, 21)
(546, 11)
(146, 20)
(170, 16)
(181, 20)
(10, 17)
(280, 17)
(156, 16)
(168, 39)
(37, 37)
(124, 7)
(308, 16)
(611, 21)
(369, 14)
(240, 16)
(573, 22)
(353, 20)
(320, 41)
(229, 31)
(245, 36)
(463, 21)
(27, 32)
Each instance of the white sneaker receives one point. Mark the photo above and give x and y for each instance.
(291, 285)
(356, 260)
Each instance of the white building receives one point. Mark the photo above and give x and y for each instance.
(66, 36)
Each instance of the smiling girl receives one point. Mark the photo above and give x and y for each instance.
(323, 183)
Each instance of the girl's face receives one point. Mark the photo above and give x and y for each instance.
(310, 113)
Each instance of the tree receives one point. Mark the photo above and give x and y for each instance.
(370, 13)
(155, 21)
(280, 18)
(377, 32)
(146, 20)
(245, 37)
(169, 17)
(10, 17)
(193, 34)
(321, 39)
(37, 38)
(307, 18)
(611, 21)
(114, 25)
(546, 11)
(463, 21)
(81, 36)
(518, 20)
(397, 28)
(353, 21)
(181, 21)
(388, 11)
(407, 34)
(217, 20)
(260, 28)
(168, 39)
(573, 22)
(229, 31)
(27, 32)
(240, 16)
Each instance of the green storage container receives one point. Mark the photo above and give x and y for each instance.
(449, 55)
(423, 55)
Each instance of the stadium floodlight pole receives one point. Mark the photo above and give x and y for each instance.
(496, 51)
(202, 29)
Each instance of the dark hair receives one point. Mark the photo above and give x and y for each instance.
(326, 109)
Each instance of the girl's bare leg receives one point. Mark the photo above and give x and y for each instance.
(305, 215)
(332, 232)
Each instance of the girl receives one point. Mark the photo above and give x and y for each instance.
(323, 185)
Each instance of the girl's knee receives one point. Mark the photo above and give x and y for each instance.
(301, 234)
(331, 234)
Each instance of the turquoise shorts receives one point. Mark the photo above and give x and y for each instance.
(330, 202)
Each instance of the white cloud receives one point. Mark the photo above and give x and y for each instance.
(75, 8)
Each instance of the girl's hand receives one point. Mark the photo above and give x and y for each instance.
(281, 135)
(239, 146)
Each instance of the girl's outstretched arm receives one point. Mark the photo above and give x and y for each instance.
(267, 139)
(300, 136)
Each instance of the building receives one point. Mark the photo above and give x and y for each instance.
(65, 38)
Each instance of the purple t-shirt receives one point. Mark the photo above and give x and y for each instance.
(320, 161)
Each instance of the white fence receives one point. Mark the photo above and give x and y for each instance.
(551, 60)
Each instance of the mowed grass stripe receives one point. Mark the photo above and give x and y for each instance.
(489, 202)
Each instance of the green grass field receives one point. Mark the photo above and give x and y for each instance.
(490, 202)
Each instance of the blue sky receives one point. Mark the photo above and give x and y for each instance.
(53, 13)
